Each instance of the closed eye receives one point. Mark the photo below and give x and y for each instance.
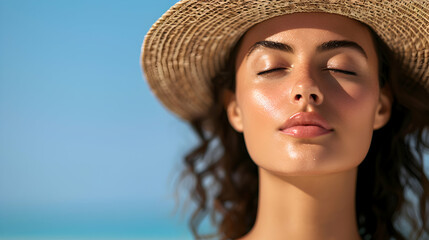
(270, 71)
(340, 71)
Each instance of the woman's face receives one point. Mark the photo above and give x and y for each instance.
(307, 94)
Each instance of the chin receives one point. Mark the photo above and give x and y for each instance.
(309, 164)
(307, 172)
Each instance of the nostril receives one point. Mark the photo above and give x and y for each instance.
(298, 97)
(314, 97)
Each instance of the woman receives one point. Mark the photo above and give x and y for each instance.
(312, 116)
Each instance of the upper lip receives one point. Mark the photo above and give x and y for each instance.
(306, 119)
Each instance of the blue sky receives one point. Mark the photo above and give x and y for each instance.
(85, 148)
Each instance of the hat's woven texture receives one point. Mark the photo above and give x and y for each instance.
(191, 42)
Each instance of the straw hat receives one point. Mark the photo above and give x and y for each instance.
(191, 42)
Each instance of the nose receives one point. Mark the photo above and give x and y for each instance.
(306, 91)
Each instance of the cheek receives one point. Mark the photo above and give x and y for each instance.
(359, 106)
(263, 112)
(262, 102)
(356, 111)
(260, 105)
(264, 105)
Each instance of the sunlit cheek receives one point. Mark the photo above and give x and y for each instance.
(266, 105)
(262, 109)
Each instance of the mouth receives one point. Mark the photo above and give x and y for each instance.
(306, 125)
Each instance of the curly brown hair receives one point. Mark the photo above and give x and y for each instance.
(392, 191)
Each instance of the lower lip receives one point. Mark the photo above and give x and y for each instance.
(310, 131)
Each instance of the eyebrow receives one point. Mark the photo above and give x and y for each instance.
(326, 46)
(270, 44)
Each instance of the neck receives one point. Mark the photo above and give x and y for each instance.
(306, 207)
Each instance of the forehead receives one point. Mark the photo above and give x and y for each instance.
(313, 28)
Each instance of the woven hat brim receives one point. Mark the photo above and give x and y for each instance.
(191, 42)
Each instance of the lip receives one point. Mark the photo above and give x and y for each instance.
(306, 125)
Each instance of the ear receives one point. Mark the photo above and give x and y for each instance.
(233, 111)
(384, 108)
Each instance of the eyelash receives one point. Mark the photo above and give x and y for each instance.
(270, 71)
(340, 71)
(328, 69)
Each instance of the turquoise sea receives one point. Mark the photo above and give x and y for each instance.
(92, 224)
